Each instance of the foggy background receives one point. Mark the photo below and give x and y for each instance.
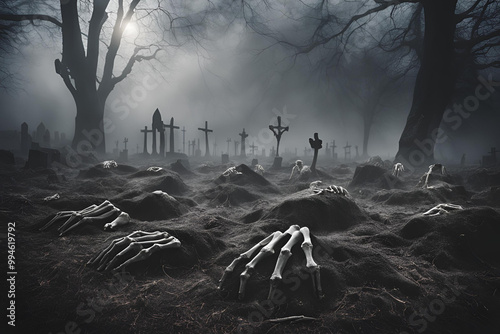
(235, 82)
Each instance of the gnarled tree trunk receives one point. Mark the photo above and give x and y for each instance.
(433, 88)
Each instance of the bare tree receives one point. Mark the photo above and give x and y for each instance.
(89, 77)
(446, 28)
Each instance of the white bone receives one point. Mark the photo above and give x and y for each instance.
(122, 219)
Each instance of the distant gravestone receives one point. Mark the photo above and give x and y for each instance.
(171, 127)
(124, 153)
(316, 145)
(347, 151)
(225, 158)
(25, 140)
(243, 136)
(206, 130)
(157, 125)
(236, 144)
(7, 157)
(146, 131)
(278, 131)
(40, 157)
(46, 139)
(40, 132)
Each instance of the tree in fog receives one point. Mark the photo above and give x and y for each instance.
(92, 33)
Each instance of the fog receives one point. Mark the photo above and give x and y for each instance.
(237, 81)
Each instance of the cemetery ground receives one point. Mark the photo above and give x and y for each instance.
(385, 267)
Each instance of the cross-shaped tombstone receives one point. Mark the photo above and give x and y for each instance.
(228, 140)
(157, 125)
(146, 131)
(278, 131)
(171, 127)
(206, 130)
(243, 135)
(347, 151)
(333, 150)
(253, 147)
(125, 141)
(316, 145)
(236, 143)
(183, 139)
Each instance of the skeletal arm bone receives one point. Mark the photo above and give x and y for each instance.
(441, 209)
(311, 266)
(285, 253)
(122, 219)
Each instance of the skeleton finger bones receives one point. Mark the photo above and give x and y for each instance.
(295, 233)
(109, 164)
(132, 248)
(103, 212)
(332, 189)
(154, 169)
(442, 209)
(398, 169)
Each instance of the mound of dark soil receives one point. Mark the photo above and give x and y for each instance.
(483, 178)
(181, 167)
(490, 197)
(325, 212)
(438, 179)
(163, 180)
(151, 206)
(462, 239)
(99, 171)
(248, 178)
(229, 194)
(374, 176)
(439, 194)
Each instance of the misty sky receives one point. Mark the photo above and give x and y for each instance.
(231, 84)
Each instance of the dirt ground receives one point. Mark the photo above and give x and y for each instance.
(385, 267)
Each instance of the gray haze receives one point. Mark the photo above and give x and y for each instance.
(230, 84)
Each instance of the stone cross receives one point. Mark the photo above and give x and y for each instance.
(253, 147)
(316, 145)
(347, 151)
(228, 140)
(278, 131)
(333, 149)
(236, 143)
(171, 126)
(243, 135)
(158, 126)
(146, 131)
(125, 141)
(183, 139)
(206, 130)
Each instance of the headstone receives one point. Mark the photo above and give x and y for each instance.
(236, 143)
(7, 157)
(46, 138)
(316, 145)
(198, 150)
(206, 130)
(491, 159)
(347, 151)
(57, 138)
(146, 131)
(183, 140)
(277, 162)
(25, 140)
(40, 157)
(228, 141)
(278, 131)
(243, 135)
(124, 153)
(116, 151)
(225, 158)
(334, 155)
(40, 132)
(157, 125)
(253, 147)
(172, 127)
